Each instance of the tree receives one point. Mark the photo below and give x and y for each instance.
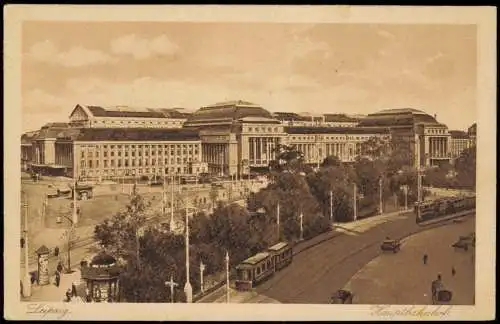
(465, 166)
(331, 160)
(375, 148)
(119, 234)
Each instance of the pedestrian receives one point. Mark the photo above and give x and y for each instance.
(88, 297)
(425, 258)
(59, 267)
(68, 295)
(56, 251)
(453, 271)
(73, 290)
(436, 286)
(58, 278)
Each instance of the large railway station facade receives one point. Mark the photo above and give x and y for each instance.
(230, 138)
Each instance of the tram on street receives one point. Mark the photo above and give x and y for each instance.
(434, 209)
(263, 265)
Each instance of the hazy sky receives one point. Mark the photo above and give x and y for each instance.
(326, 68)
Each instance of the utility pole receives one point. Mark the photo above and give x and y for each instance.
(172, 285)
(278, 219)
(405, 188)
(381, 205)
(301, 216)
(227, 277)
(419, 185)
(355, 202)
(187, 288)
(202, 268)
(75, 214)
(172, 203)
(27, 279)
(331, 206)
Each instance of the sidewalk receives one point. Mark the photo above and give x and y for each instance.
(51, 293)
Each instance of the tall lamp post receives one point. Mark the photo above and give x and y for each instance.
(381, 205)
(202, 269)
(301, 218)
(355, 202)
(405, 189)
(75, 212)
(227, 276)
(278, 220)
(188, 289)
(26, 279)
(172, 203)
(331, 206)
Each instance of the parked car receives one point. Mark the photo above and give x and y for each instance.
(391, 245)
(342, 297)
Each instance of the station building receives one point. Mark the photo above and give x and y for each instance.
(126, 117)
(427, 140)
(459, 141)
(111, 153)
(227, 138)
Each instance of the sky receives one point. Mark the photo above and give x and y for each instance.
(314, 68)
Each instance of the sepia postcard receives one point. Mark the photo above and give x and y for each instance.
(249, 163)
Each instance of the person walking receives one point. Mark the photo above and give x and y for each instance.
(436, 286)
(73, 290)
(453, 271)
(56, 251)
(425, 258)
(58, 278)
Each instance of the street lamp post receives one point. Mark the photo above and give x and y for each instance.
(172, 285)
(355, 202)
(27, 279)
(301, 217)
(75, 214)
(227, 277)
(380, 196)
(202, 268)
(188, 289)
(405, 188)
(278, 219)
(331, 206)
(172, 203)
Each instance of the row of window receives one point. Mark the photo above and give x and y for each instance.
(90, 154)
(262, 129)
(132, 163)
(343, 137)
(136, 122)
(139, 146)
(436, 131)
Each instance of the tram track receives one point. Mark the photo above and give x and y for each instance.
(349, 261)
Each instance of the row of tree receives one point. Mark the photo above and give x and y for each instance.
(151, 256)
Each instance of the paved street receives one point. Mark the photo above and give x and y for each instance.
(316, 273)
(402, 278)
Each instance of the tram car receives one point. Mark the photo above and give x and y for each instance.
(262, 266)
(428, 210)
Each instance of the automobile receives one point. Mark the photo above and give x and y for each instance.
(464, 243)
(341, 297)
(52, 192)
(391, 245)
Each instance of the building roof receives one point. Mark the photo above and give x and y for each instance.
(28, 137)
(278, 246)
(229, 111)
(336, 130)
(136, 134)
(458, 134)
(340, 118)
(135, 112)
(256, 258)
(398, 117)
(50, 130)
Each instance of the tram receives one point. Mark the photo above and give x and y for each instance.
(428, 210)
(263, 265)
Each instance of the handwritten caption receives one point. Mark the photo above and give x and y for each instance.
(45, 310)
(389, 311)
